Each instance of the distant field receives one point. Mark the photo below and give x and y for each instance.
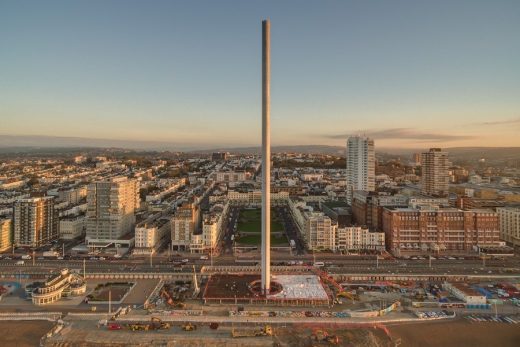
(250, 221)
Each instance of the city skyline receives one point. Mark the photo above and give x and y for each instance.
(172, 173)
(405, 74)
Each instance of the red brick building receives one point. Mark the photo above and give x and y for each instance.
(448, 229)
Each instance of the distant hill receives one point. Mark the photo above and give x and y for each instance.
(31, 142)
(307, 149)
(489, 154)
(46, 144)
(485, 152)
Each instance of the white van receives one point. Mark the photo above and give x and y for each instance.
(319, 264)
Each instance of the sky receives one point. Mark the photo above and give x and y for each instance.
(407, 73)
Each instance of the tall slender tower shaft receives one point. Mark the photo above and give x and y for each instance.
(266, 156)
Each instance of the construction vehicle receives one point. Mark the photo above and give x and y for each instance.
(420, 296)
(348, 295)
(139, 327)
(264, 331)
(323, 336)
(189, 327)
(169, 300)
(158, 324)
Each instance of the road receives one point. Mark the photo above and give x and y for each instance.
(161, 264)
(291, 230)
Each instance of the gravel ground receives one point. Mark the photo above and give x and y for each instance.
(460, 333)
(23, 334)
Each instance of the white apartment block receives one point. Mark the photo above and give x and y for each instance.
(319, 232)
(509, 221)
(167, 187)
(5, 234)
(72, 227)
(11, 184)
(360, 156)
(149, 236)
(358, 239)
(230, 176)
(111, 205)
(73, 195)
(211, 230)
(255, 197)
(308, 177)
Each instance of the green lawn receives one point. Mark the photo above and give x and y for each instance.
(250, 221)
(256, 240)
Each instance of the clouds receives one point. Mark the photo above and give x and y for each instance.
(502, 122)
(404, 134)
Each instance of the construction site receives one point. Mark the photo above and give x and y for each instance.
(296, 289)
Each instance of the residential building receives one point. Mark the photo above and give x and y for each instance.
(360, 156)
(211, 230)
(367, 207)
(80, 159)
(416, 159)
(219, 156)
(72, 195)
(319, 232)
(184, 224)
(230, 176)
(72, 227)
(435, 178)
(5, 234)
(338, 211)
(254, 197)
(111, 206)
(151, 234)
(35, 221)
(509, 218)
(358, 239)
(439, 229)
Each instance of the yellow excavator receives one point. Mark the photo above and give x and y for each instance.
(189, 327)
(348, 295)
(139, 327)
(158, 324)
(267, 330)
(323, 336)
